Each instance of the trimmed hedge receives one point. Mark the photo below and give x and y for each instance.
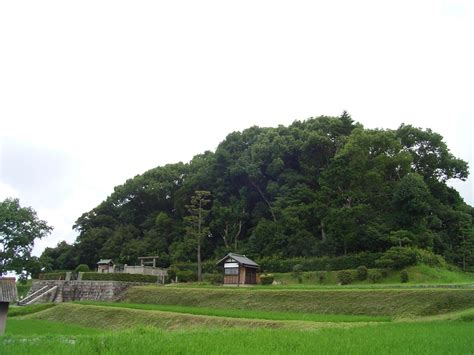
(266, 279)
(277, 264)
(53, 276)
(274, 264)
(95, 276)
(400, 257)
(344, 277)
(362, 273)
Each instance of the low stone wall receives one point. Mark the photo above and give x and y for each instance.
(67, 291)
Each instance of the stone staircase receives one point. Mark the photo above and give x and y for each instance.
(41, 295)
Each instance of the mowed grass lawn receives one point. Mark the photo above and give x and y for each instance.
(378, 338)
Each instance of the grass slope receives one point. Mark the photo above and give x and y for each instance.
(18, 311)
(420, 274)
(393, 338)
(233, 313)
(395, 303)
(119, 318)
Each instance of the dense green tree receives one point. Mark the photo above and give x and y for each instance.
(322, 186)
(19, 227)
(61, 257)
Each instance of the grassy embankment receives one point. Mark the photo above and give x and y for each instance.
(420, 274)
(144, 328)
(283, 319)
(237, 313)
(398, 303)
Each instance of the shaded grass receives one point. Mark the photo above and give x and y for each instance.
(393, 302)
(42, 327)
(23, 288)
(16, 311)
(234, 313)
(393, 338)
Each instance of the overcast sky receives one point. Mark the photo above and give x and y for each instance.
(95, 92)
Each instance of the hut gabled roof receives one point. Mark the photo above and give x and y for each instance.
(8, 289)
(241, 259)
(105, 262)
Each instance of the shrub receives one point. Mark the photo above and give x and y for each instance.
(344, 277)
(267, 279)
(171, 277)
(375, 276)
(215, 279)
(400, 257)
(397, 258)
(297, 272)
(404, 276)
(82, 268)
(320, 277)
(429, 258)
(186, 276)
(362, 272)
(119, 277)
(277, 264)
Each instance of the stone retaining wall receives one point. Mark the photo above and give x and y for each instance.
(68, 291)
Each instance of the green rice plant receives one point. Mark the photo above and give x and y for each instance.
(396, 338)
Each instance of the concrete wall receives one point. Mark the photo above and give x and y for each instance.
(145, 270)
(68, 291)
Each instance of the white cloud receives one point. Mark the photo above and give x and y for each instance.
(7, 191)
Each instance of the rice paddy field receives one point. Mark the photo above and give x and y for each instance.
(260, 320)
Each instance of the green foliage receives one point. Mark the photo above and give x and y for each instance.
(404, 276)
(429, 258)
(275, 264)
(82, 268)
(186, 276)
(267, 279)
(281, 194)
(215, 279)
(375, 276)
(19, 227)
(119, 277)
(61, 257)
(397, 258)
(344, 277)
(297, 272)
(362, 272)
(320, 277)
(401, 257)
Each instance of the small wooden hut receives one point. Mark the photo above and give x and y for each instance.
(7, 295)
(105, 266)
(239, 270)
